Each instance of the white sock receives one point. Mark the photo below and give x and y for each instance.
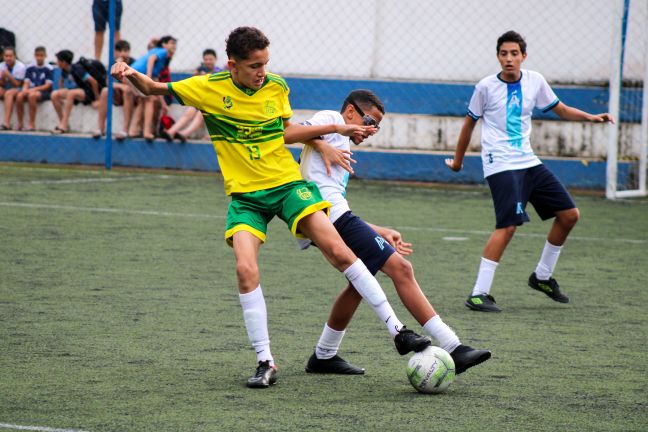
(370, 290)
(329, 343)
(484, 277)
(548, 261)
(435, 327)
(256, 323)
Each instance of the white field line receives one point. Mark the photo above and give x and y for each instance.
(37, 428)
(462, 232)
(87, 180)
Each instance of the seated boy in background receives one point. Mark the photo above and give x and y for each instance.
(37, 88)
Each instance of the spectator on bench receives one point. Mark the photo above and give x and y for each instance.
(122, 96)
(37, 88)
(12, 74)
(87, 92)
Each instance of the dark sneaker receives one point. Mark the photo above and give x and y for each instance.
(466, 357)
(334, 365)
(482, 303)
(549, 287)
(407, 341)
(265, 376)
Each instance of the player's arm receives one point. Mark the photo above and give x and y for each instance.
(294, 133)
(143, 83)
(394, 238)
(566, 112)
(462, 144)
(331, 155)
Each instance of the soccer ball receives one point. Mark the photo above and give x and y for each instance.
(431, 370)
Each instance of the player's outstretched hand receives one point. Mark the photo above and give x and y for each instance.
(394, 238)
(121, 70)
(356, 131)
(602, 118)
(451, 163)
(332, 156)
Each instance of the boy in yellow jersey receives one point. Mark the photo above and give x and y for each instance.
(247, 113)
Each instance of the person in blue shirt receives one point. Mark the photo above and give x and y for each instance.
(152, 64)
(37, 88)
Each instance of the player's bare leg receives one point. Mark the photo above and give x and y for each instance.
(246, 251)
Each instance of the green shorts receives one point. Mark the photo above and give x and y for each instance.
(291, 202)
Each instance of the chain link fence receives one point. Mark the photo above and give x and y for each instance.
(421, 57)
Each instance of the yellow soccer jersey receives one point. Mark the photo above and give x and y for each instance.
(246, 128)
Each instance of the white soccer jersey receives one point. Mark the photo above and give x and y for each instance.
(18, 71)
(311, 165)
(506, 111)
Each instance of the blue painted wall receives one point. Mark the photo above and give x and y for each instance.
(375, 165)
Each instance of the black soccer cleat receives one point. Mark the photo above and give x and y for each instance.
(407, 341)
(265, 376)
(333, 365)
(549, 287)
(466, 357)
(482, 303)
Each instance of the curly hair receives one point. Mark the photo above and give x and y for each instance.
(243, 40)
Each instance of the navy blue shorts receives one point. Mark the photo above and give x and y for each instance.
(100, 14)
(512, 190)
(365, 243)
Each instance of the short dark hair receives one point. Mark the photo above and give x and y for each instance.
(166, 39)
(9, 48)
(365, 99)
(65, 56)
(122, 45)
(209, 51)
(40, 49)
(243, 40)
(512, 36)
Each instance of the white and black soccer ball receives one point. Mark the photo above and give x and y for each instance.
(431, 370)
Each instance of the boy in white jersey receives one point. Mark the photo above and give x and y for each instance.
(376, 246)
(247, 113)
(514, 173)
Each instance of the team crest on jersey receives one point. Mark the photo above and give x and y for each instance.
(269, 107)
(304, 193)
(227, 102)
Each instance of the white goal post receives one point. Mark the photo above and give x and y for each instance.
(619, 45)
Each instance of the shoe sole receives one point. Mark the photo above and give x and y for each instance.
(479, 309)
(478, 361)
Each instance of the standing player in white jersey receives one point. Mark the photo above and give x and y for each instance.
(376, 246)
(514, 173)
